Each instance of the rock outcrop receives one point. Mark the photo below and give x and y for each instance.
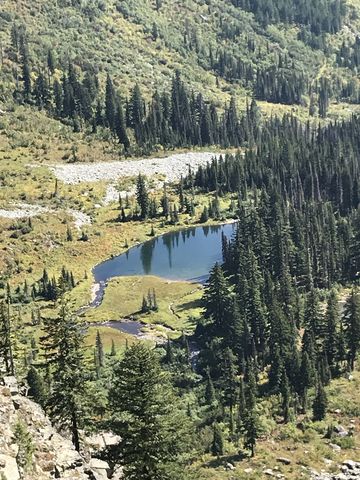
(349, 470)
(49, 454)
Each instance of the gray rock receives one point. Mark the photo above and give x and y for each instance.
(335, 447)
(284, 460)
(229, 466)
(100, 468)
(54, 454)
(351, 464)
(9, 467)
(341, 431)
(248, 470)
(118, 474)
(269, 472)
(11, 383)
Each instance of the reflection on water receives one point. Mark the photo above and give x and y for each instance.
(187, 254)
(146, 253)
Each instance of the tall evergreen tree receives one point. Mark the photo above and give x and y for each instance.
(217, 446)
(320, 402)
(351, 322)
(217, 300)
(286, 397)
(145, 416)
(36, 386)
(331, 333)
(63, 348)
(110, 104)
(6, 338)
(99, 350)
(142, 196)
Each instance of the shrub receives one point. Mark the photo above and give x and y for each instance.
(24, 457)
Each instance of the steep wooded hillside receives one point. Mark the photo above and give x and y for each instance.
(280, 53)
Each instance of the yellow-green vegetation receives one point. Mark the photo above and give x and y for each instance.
(105, 35)
(108, 336)
(305, 444)
(44, 244)
(178, 302)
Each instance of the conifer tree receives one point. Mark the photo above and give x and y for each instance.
(144, 306)
(313, 315)
(241, 406)
(204, 215)
(26, 71)
(250, 421)
(210, 395)
(229, 384)
(110, 104)
(286, 396)
(113, 349)
(331, 333)
(320, 403)
(251, 430)
(153, 431)
(36, 386)
(351, 322)
(63, 345)
(6, 339)
(306, 375)
(51, 61)
(169, 357)
(217, 300)
(217, 446)
(120, 127)
(165, 204)
(136, 114)
(142, 196)
(99, 350)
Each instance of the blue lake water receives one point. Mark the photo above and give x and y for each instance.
(187, 254)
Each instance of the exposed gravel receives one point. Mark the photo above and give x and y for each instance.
(23, 210)
(26, 210)
(80, 219)
(171, 167)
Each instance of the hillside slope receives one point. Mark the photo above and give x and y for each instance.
(135, 41)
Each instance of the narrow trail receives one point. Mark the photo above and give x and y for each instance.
(171, 305)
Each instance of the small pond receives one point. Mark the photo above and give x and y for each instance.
(187, 254)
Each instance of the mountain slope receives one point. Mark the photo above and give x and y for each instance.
(136, 42)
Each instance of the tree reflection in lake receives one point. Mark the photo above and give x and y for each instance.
(183, 255)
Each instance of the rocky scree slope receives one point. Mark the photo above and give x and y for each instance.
(39, 452)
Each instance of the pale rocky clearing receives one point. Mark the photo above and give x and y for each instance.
(169, 169)
(26, 210)
(172, 168)
(22, 210)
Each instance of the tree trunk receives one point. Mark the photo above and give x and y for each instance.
(75, 431)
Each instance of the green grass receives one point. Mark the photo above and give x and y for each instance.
(178, 302)
(45, 246)
(306, 450)
(108, 335)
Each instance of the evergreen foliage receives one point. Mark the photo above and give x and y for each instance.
(145, 416)
(63, 352)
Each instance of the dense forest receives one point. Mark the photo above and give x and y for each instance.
(265, 332)
(80, 95)
(320, 16)
(272, 84)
